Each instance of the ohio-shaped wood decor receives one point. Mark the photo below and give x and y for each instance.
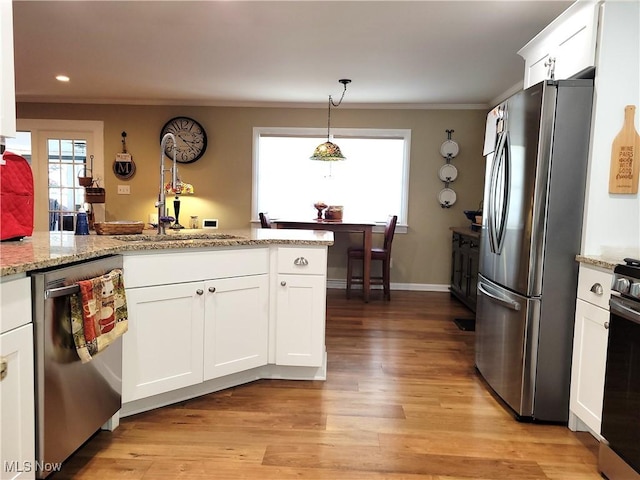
(625, 156)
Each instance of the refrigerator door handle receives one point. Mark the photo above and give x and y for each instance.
(491, 193)
(503, 179)
(510, 304)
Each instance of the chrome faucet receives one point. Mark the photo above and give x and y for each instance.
(161, 195)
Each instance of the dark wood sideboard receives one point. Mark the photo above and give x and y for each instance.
(465, 254)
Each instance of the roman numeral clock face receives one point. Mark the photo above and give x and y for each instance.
(191, 139)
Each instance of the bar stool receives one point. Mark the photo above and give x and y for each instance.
(382, 254)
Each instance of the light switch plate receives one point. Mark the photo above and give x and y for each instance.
(124, 189)
(209, 223)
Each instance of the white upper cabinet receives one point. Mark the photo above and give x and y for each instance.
(565, 47)
(7, 82)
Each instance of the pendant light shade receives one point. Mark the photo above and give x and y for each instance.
(328, 151)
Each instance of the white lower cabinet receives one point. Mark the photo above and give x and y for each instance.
(162, 351)
(17, 414)
(589, 358)
(236, 325)
(590, 339)
(223, 313)
(301, 305)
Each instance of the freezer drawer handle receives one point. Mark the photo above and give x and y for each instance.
(507, 303)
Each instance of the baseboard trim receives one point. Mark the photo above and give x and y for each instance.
(422, 287)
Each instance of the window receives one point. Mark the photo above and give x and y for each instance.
(67, 159)
(371, 183)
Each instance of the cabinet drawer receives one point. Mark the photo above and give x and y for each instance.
(304, 261)
(189, 266)
(588, 280)
(15, 300)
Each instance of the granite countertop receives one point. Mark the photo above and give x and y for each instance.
(609, 257)
(50, 249)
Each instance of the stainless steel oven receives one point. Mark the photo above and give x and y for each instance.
(73, 399)
(620, 448)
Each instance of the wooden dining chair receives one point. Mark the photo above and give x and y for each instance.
(265, 221)
(382, 254)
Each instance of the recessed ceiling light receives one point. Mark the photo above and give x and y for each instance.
(62, 78)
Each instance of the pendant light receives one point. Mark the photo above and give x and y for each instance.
(328, 151)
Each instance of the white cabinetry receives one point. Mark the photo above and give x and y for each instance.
(301, 306)
(236, 325)
(17, 413)
(162, 350)
(193, 316)
(589, 349)
(565, 47)
(7, 83)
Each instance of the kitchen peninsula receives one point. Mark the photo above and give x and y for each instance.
(252, 308)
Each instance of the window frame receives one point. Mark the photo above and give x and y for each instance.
(336, 134)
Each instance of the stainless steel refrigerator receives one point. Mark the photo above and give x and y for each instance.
(536, 155)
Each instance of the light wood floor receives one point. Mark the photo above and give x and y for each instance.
(402, 401)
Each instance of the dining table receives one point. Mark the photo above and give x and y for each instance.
(364, 227)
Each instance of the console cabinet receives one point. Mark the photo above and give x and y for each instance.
(465, 253)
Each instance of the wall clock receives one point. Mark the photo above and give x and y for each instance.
(190, 136)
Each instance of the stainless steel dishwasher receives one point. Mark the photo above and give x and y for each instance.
(73, 400)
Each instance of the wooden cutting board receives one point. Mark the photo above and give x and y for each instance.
(625, 156)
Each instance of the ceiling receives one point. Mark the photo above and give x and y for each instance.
(413, 54)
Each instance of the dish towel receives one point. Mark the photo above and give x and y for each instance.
(98, 314)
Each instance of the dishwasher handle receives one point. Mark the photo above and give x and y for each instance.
(61, 291)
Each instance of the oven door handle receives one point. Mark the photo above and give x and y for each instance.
(616, 306)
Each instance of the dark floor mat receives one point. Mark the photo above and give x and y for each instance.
(466, 324)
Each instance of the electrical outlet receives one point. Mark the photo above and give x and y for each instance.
(124, 189)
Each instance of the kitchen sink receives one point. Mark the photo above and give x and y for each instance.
(176, 237)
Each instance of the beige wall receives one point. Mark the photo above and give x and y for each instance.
(222, 177)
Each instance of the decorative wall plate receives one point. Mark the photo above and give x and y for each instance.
(449, 149)
(448, 173)
(446, 197)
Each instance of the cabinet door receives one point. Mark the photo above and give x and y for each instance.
(456, 264)
(162, 351)
(472, 272)
(300, 320)
(589, 359)
(17, 414)
(576, 42)
(236, 324)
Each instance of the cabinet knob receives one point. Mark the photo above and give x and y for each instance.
(199, 291)
(283, 283)
(597, 289)
(301, 261)
(606, 325)
(212, 289)
(4, 368)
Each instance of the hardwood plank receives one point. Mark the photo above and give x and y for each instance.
(402, 402)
